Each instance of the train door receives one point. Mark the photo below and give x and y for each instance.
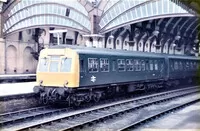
(147, 69)
(162, 68)
(166, 68)
(113, 69)
(83, 70)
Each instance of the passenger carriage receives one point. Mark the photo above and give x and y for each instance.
(75, 73)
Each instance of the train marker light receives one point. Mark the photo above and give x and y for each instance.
(40, 82)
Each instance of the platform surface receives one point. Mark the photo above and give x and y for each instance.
(16, 88)
(17, 76)
(186, 119)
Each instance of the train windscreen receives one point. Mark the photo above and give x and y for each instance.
(43, 65)
(66, 65)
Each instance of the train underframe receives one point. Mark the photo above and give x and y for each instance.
(86, 94)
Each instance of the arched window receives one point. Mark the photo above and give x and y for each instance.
(125, 43)
(117, 42)
(147, 45)
(109, 41)
(140, 44)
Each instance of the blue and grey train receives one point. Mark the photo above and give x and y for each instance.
(75, 73)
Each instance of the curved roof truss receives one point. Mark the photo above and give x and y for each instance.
(38, 12)
(117, 15)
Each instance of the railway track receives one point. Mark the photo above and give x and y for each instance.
(17, 102)
(28, 114)
(157, 115)
(73, 120)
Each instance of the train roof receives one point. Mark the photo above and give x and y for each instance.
(115, 52)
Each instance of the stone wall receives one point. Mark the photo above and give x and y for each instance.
(16, 57)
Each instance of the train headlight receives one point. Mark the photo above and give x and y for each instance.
(66, 83)
(40, 82)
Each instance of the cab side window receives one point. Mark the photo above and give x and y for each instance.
(82, 67)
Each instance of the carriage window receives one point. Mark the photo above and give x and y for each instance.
(93, 65)
(143, 65)
(129, 65)
(43, 64)
(151, 65)
(162, 65)
(82, 67)
(121, 64)
(147, 65)
(172, 65)
(187, 65)
(137, 65)
(66, 65)
(191, 65)
(175, 65)
(180, 65)
(114, 65)
(156, 65)
(104, 65)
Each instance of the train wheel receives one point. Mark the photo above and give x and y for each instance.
(96, 97)
(77, 103)
(75, 100)
(44, 98)
(87, 98)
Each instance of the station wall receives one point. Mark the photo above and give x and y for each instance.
(16, 57)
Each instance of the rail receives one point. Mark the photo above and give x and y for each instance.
(73, 120)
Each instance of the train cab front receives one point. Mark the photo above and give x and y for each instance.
(57, 73)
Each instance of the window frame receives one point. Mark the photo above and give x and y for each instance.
(151, 65)
(97, 64)
(61, 65)
(118, 64)
(156, 65)
(47, 63)
(129, 64)
(105, 62)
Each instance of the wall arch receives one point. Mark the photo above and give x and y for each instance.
(135, 45)
(80, 40)
(171, 48)
(126, 44)
(29, 64)
(147, 46)
(140, 45)
(119, 43)
(11, 59)
(165, 48)
(109, 44)
(153, 46)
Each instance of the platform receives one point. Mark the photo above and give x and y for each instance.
(17, 77)
(185, 119)
(16, 88)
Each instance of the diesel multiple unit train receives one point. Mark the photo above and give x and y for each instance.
(75, 74)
